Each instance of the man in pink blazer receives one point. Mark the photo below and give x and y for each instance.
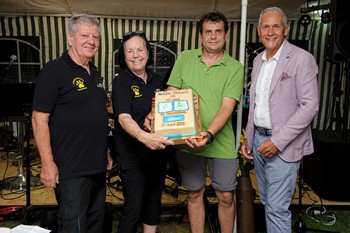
(283, 103)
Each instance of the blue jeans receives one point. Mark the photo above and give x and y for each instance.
(276, 182)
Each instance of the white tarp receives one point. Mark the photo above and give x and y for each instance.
(169, 9)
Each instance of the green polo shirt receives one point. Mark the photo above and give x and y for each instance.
(224, 78)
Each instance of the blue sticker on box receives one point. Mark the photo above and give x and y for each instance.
(174, 118)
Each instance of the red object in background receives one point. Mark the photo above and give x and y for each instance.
(11, 212)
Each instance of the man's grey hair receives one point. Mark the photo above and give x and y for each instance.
(82, 19)
(274, 8)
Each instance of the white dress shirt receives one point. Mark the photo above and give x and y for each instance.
(262, 110)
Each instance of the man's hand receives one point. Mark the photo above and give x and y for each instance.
(246, 150)
(49, 174)
(198, 142)
(267, 148)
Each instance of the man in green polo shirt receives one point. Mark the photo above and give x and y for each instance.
(218, 79)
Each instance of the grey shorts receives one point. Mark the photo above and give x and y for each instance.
(193, 170)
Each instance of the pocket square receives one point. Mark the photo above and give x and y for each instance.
(285, 76)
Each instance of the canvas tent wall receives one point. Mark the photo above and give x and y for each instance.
(51, 31)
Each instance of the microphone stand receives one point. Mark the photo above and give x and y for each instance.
(12, 59)
(4, 75)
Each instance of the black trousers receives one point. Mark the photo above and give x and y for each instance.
(142, 191)
(81, 204)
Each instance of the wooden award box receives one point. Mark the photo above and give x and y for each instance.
(177, 115)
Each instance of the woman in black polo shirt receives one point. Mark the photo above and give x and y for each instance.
(140, 154)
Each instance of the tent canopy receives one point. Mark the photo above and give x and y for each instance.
(168, 9)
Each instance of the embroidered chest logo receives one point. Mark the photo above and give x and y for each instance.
(79, 82)
(136, 91)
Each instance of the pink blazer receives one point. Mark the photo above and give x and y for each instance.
(293, 102)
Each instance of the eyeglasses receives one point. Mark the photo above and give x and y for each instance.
(128, 35)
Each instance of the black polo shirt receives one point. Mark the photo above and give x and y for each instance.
(131, 95)
(78, 120)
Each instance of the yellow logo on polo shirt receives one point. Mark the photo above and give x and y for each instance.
(136, 91)
(79, 82)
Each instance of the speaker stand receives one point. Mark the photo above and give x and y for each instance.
(337, 119)
(346, 103)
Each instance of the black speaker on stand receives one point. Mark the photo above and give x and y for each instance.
(338, 41)
(327, 171)
(339, 52)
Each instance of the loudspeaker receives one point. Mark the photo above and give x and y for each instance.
(338, 41)
(326, 171)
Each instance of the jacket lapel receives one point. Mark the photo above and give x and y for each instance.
(282, 62)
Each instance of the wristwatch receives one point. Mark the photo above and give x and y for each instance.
(211, 137)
